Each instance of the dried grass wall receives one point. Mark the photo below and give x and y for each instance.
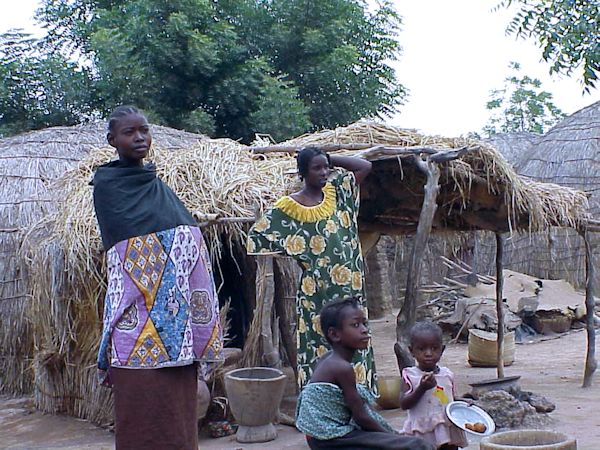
(28, 165)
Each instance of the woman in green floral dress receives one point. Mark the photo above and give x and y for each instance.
(317, 226)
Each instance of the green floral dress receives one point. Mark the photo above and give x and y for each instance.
(324, 240)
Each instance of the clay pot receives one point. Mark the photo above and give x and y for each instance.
(254, 395)
(389, 392)
(528, 440)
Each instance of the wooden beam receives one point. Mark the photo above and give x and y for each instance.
(370, 151)
(590, 358)
(407, 315)
(500, 304)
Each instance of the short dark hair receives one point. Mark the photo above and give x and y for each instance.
(332, 314)
(421, 328)
(119, 112)
(306, 155)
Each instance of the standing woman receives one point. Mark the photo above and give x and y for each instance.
(161, 312)
(317, 226)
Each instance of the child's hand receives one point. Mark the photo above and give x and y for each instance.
(428, 381)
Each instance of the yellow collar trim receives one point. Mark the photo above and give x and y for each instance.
(315, 213)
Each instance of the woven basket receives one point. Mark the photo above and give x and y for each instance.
(483, 350)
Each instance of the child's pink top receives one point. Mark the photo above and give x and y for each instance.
(427, 419)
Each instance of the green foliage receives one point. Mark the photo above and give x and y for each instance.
(280, 112)
(227, 59)
(568, 32)
(522, 105)
(37, 89)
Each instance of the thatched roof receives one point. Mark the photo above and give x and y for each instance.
(569, 154)
(480, 190)
(514, 146)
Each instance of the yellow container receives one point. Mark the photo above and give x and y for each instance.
(483, 350)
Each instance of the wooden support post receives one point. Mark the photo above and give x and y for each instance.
(285, 308)
(500, 304)
(265, 296)
(590, 358)
(407, 315)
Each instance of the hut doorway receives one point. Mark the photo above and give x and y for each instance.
(234, 276)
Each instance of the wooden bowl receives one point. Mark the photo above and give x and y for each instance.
(389, 392)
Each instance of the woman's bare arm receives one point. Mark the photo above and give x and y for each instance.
(358, 166)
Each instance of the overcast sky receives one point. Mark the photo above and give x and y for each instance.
(454, 53)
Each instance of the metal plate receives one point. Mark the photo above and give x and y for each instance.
(461, 413)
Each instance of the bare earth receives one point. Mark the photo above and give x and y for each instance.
(552, 367)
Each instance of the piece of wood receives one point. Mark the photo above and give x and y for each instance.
(407, 315)
(466, 322)
(284, 307)
(265, 295)
(590, 357)
(499, 304)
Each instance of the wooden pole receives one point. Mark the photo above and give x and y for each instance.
(407, 315)
(590, 360)
(264, 301)
(500, 304)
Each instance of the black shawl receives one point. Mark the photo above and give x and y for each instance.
(132, 201)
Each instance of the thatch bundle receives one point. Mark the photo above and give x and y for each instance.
(225, 185)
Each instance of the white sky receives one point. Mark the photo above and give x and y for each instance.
(454, 53)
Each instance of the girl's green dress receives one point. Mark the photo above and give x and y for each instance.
(323, 239)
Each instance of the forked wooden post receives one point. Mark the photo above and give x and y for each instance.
(499, 304)
(590, 358)
(407, 315)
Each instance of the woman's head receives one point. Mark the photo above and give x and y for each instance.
(313, 166)
(343, 322)
(426, 345)
(129, 133)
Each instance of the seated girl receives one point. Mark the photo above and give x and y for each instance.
(333, 411)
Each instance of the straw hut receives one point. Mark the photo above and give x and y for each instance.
(568, 155)
(514, 146)
(225, 185)
(219, 182)
(29, 164)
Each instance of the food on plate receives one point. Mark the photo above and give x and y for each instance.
(477, 427)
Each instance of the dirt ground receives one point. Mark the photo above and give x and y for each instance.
(552, 367)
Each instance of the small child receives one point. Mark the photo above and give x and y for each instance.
(333, 411)
(427, 389)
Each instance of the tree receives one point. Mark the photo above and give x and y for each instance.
(215, 65)
(38, 89)
(568, 32)
(523, 106)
